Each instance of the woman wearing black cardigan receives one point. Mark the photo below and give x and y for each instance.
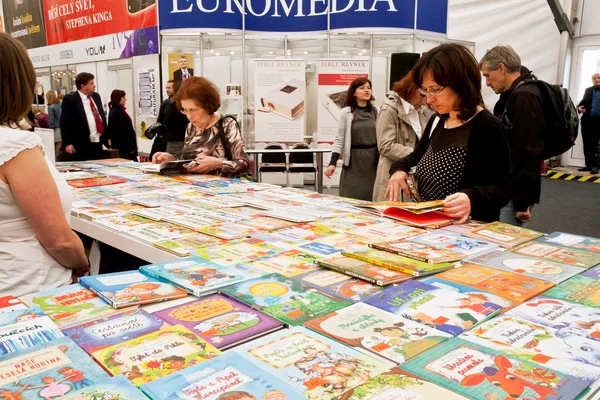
(463, 157)
(122, 132)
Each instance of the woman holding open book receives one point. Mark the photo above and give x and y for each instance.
(463, 157)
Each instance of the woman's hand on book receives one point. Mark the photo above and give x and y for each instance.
(397, 180)
(159, 158)
(457, 205)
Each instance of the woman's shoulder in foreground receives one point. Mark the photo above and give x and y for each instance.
(14, 141)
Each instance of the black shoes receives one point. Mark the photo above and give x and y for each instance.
(594, 171)
(584, 169)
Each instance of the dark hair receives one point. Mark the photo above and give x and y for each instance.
(115, 98)
(351, 100)
(82, 79)
(171, 81)
(17, 81)
(453, 65)
(202, 91)
(405, 87)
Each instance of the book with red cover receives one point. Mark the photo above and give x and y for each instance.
(100, 181)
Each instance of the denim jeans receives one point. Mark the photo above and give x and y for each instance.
(508, 215)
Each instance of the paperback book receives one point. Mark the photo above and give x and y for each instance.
(113, 388)
(194, 222)
(397, 263)
(334, 244)
(339, 285)
(228, 230)
(187, 246)
(505, 235)
(576, 242)
(155, 213)
(564, 255)
(286, 266)
(454, 242)
(470, 292)
(348, 223)
(96, 181)
(359, 269)
(123, 222)
(387, 231)
(25, 328)
(233, 253)
(419, 251)
(159, 231)
(579, 289)
(10, 303)
(462, 228)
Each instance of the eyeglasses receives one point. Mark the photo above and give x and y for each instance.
(433, 92)
(190, 111)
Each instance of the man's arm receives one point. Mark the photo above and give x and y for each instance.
(586, 102)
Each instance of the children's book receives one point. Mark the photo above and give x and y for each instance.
(159, 231)
(387, 231)
(419, 251)
(233, 253)
(315, 366)
(221, 321)
(154, 355)
(48, 371)
(286, 266)
(576, 242)
(228, 230)
(451, 241)
(563, 351)
(166, 167)
(225, 377)
(156, 213)
(469, 292)
(445, 310)
(462, 228)
(505, 235)
(92, 215)
(528, 266)
(284, 299)
(348, 223)
(298, 233)
(10, 303)
(397, 263)
(372, 330)
(564, 255)
(192, 221)
(334, 244)
(388, 208)
(337, 284)
(412, 214)
(153, 199)
(128, 288)
(579, 289)
(478, 372)
(187, 245)
(199, 276)
(232, 214)
(593, 272)
(78, 175)
(97, 181)
(114, 388)
(25, 328)
(359, 269)
(292, 215)
(264, 223)
(123, 223)
(121, 189)
(69, 305)
(108, 331)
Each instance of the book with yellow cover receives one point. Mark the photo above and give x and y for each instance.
(419, 251)
(505, 235)
(397, 263)
(363, 270)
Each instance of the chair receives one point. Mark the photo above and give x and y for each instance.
(301, 163)
(273, 162)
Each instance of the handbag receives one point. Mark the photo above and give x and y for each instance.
(154, 129)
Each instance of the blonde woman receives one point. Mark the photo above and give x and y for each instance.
(54, 109)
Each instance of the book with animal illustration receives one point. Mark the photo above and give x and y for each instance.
(419, 251)
(478, 372)
(25, 328)
(154, 355)
(284, 299)
(372, 330)
(287, 266)
(576, 242)
(225, 377)
(187, 245)
(505, 235)
(445, 310)
(454, 242)
(108, 331)
(337, 284)
(199, 276)
(359, 269)
(114, 388)
(397, 263)
(47, 371)
(128, 288)
(315, 366)
(564, 255)
(579, 289)
(221, 321)
(386, 231)
(561, 350)
(469, 291)
(10, 303)
(69, 305)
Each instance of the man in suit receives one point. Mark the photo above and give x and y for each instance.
(589, 106)
(82, 120)
(183, 72)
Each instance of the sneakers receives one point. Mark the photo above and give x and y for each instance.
(584, 169)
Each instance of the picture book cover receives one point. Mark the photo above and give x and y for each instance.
(10, 303)
(25, 328)
(199, 276)
(505, 235)
(506, 284)
(153, 199)
(221, 321)
(97, 181)
(155, 213)
(563, 351)
(454, 242)
(154, 355)
(396, 262)
(419, 251)
(286, 266)
(187, 245)
(477, 372)
(340, 285)
(121, 189)
(228, 230)
(576, 242)
(579, 289)
(372, 330)
(315, 366)
(292, 215)
(284, 299)
(69, 305)
(386, 231)
(369, 272)
(565, 255)
(233, 214)
(348, 223)
(114, 388)
(446, 310)
(264, 223)
(159, 231)
(92, 215)
(123, 222)
(191, 221)
(468, 291)
(233, 253)
(300, 233)
(333, 244)
(225, 377)
(528, 266)
(48, 371)
(128, 288)
(109, 331)
(381, 208)
(462, 228)
(593, 272)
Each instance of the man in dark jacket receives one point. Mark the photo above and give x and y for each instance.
(525, 128)
(589, 106)
(173, 120)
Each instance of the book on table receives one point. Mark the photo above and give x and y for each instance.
(366, 271)
(397, 263)
(423, 214)
(505, 235)
(166, 167)
(419, 251)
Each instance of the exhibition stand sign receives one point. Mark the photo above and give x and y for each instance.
(146, 92)
(25, 22)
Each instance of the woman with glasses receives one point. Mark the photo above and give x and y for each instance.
(213, 142)
(463, 157)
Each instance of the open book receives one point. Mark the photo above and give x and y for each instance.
(423, 214)
(166, 167)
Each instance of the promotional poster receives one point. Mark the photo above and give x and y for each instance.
(25, 22)
(181, 66)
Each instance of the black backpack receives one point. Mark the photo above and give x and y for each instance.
(560, 115)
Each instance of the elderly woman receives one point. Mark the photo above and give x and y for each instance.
(213, 142)
(463, 157)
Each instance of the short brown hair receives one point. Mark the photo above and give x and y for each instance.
(235, 395)
(17, 76)
(405, 87)
(351, 99)
(82, 79)
(202, 91)
(453, 66)
(51, 97)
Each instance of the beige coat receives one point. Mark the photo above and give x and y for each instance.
(395, 138)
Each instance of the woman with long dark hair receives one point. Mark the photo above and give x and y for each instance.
(122, 133)
(356, 142)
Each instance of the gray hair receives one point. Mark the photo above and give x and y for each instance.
(502, 55)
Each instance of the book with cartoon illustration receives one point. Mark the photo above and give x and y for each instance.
(422, 214)
(25, 328)
(187, 245)
(350, 222)
(286, 266)
(478, 372)
(159, 231)
(337, 284)
(95, 181)
(233, 253)
(372, 330)
(333, 244)
(419, 251)
(10, 303)
(454, 242)
(387, 231)
(505, 235)
(314, 365)
(359, 269)
(154, 355)
(564, 255)
(114, 388)
(122, 222)
(465, 290)
(228, 230)
(221, 321)
(48, 371)
(579, 289)
(397, 263)
(443, 309)
(576, 242)
(284, 298)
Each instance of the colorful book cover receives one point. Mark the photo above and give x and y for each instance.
(419, 251)
(232, 214)
(576, 242)
(187, 246)
(159, 231)
(191, 221)
(157, 354)
(264, 223)
(155, 213)
(122, 189)
(153, 199)
(221, 321)
(333, 244)
(478, 372)
(372, 330)
(284, 299)
(128, 288)
(563, 351)
(293, 215)
(233, 253)
(505, 235)
(349, 223)
(300, 233)
(362, 270)
(468, 291)
(69, 305)
(228, 230)
(397, 263)
(528, 266)
(339, 285)
(446, 310)
(109, 331)
(25, 328)
(225, 377)
(462, 228)
(564, 255)
(97, 181)
(123, 223)
(10, 303)
(454, 242)
(286, 266)
(198, 276)
(48, 371)
(114, 388)
(387, 231)
(579, 289)
(593, 272)
(315, 366)
(187, 207)
(92, 215)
